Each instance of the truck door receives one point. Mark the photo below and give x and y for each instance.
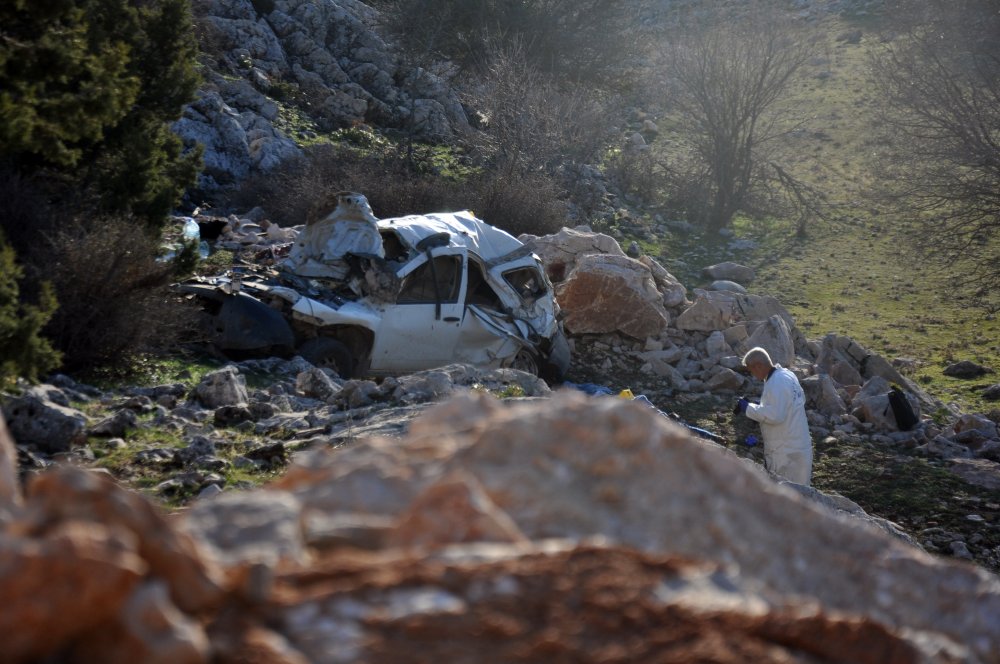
(421, 329)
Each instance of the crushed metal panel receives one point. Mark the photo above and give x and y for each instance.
(350, 229)
(321, 314)
(463, 228)
(488, 338)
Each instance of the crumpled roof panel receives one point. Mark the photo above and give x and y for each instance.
(464, 229)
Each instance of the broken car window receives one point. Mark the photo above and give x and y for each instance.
(526, 281)
(479, 290)
(418, 286)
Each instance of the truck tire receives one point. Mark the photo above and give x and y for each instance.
(328, 353)
(526, 361)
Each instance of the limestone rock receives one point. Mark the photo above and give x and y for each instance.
(974, 422)
(822, 395)
(317, 384)
(674, 292)
(730, 271)
(608, 293)
(725, 380)
(117, 425)
(941, 447)
(705, 315)
(512, 603)
(44, 425)
(454, 510)
(716, 345)
(574, 467)
(560, 252)
(259, 527)
(726, 285)
(63, 585)
(148, 628)
(992, 393)
(72, 495)
(774, 336)
(223, 387)
(979, 472)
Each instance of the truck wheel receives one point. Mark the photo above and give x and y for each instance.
(525, 361)
(328, 353)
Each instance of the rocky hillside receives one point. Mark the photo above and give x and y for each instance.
(325, 57)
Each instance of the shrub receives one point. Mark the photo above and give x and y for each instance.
(512, 200)
(23, 352)
(113, 292)
(518, 202)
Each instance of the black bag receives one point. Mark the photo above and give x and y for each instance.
(906, 419)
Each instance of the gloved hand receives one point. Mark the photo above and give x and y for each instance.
(741, 406)
(751, 440)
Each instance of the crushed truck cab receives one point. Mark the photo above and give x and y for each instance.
(380, 297)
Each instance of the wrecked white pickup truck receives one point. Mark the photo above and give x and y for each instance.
(375, 297)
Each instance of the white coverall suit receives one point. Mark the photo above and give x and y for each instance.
(783, 425)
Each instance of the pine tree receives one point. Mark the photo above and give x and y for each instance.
(87, 91)
(23, 352)
(64, 78)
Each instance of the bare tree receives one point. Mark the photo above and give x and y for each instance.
(726, 80)
(940, 86)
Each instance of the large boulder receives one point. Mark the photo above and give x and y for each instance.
(607, 293)
(707, 314)
(94, 572)
(674, 292)
(222, 387)
(258, 527)
(61, 586)
(559, 252)
(850, 363)
(774, 336)
(966, 369)
(871, 404)
(721, 310)
(730, 271)
(76, 496)
(822, 395)
(45, 425)
(575, 467)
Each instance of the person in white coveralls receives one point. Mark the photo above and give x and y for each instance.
(782, 417)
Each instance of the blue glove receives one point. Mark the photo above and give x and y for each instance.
(751, 440)
(742, 404)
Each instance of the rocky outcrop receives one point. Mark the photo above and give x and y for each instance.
(327, 52)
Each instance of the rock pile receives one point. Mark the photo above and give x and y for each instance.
(633, 310)
(569, 528)
(223, 426)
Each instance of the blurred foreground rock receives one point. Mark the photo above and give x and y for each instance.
(568, 529)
